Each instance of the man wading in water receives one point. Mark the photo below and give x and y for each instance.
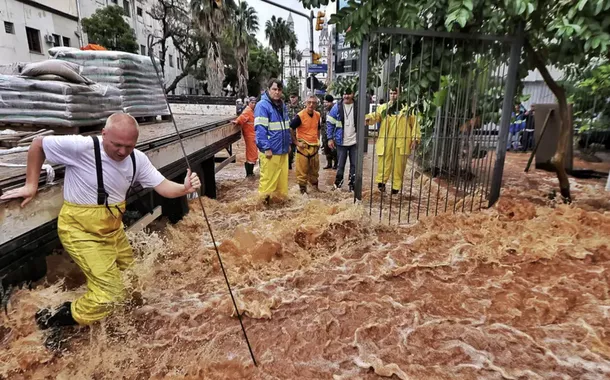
(273, 139)
(307, 139)
(99, 175)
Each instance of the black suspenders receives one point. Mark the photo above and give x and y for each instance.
(102, 195)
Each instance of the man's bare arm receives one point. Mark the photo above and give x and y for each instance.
(35, 160)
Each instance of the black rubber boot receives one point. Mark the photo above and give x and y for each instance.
(249, 169)
(329, 163)
(381, 187)
(394, 191)
(62, 317)
(303, 189)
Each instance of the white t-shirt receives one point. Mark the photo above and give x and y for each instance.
(80, 181)
(349, 128)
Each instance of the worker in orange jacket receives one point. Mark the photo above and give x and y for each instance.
(246, 122)
(305, 131)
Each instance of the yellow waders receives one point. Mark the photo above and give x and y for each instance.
(396, 134)
(96, 241)
(274, 175)
(307, 165)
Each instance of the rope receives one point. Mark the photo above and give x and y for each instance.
(205, 216)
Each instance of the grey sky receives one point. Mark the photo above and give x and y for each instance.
(301, 25)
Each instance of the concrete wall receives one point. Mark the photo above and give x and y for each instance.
(14, 47)
(202, 109)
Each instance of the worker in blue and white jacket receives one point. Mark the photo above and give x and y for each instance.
(341, 126)
(273, 139)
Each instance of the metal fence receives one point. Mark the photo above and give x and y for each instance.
(438, 142)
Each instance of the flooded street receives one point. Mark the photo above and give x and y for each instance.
(519, 291)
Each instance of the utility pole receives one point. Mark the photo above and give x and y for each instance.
(308, 17)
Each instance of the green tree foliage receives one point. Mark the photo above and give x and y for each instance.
(292, 86)
(106, 27)
(556, 32)
(589, 91)
(280, 36)
(262, 65)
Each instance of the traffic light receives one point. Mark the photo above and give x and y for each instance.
(316, 58)
(320, 20)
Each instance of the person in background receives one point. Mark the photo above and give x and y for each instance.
(307, 139)
(246, 122)
(399, 134)
(100, 172)
(516, 126)
(273, 139)
(341, 127)
(294, 107)
(331, 154)
(527, 142)
(239, 106)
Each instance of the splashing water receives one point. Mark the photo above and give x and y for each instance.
(519, 291)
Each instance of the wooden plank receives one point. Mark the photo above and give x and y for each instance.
(145, 221)
(226, 162)
(43, 132)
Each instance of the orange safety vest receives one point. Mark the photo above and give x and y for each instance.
(309, 130)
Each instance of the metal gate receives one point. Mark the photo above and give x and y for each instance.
(438, 108)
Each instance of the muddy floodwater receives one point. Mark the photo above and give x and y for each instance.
(518, 291)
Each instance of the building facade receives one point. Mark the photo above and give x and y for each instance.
(31, 28)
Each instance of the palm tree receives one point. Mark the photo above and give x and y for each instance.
(212, 18)
(279, 35)
(245, 25)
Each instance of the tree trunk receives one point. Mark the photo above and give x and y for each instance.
(565, 122)
(175, 82)
(282, 73)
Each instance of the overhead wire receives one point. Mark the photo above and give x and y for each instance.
(205, 216)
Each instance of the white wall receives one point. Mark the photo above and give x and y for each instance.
(14, 47)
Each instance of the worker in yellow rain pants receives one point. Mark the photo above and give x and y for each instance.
(272, 128)
(99, 174)
(307, 139)
(399, 134)
(272, 178)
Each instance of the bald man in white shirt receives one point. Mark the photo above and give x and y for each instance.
(99, 174)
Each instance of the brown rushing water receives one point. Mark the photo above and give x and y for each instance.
(520, 291)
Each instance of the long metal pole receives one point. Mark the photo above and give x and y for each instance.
(313, 90)
(362, 128)
(507, 108)
(205, 215)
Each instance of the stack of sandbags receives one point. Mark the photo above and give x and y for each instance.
(133, 74)
(44, 100)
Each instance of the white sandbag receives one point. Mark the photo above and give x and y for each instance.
(68, 70)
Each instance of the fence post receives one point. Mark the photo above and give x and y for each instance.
(507, 109)
(362, 127)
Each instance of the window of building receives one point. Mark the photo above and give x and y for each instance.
(171, 60)
(33, 39)
(196, 91)
(139, 11)
(9, 27)
(142, 49)
(126, 8)
(66, 41)
(56, 40)
(114, 1)
(190, 91)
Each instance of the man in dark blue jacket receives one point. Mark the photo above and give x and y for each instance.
(273, 139)
(341, 127)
